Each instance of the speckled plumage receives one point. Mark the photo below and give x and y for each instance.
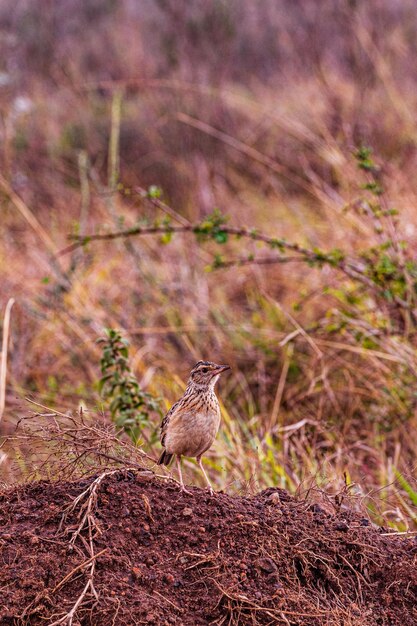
(190, 426)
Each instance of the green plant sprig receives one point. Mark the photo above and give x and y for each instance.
(214, 227)
(129, 405)
(382, 269)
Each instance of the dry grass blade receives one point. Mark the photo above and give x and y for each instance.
(28, 215)
(4, 348)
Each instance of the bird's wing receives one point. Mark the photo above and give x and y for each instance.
(165, 421)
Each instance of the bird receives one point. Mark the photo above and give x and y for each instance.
(190, 426)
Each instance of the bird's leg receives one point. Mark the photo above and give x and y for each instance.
(178, 457)
(205, 475)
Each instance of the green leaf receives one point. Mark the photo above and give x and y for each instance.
(221, 236)
(166, 238)
(154, 191)
(407, 487)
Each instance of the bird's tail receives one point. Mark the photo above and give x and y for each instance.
(165, 458)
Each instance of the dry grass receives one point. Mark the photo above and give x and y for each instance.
(322, 390)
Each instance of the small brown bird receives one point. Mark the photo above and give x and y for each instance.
(190, 426)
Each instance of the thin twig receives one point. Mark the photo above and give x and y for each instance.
(76, 569)
(179, 609)
(45, 407)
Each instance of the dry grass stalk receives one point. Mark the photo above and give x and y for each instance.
(4, 349)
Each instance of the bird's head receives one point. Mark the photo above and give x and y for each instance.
(206, 373)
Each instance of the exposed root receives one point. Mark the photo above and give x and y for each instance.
(86, 503)
(240, 602)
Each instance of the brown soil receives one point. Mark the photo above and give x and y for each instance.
(165, 557)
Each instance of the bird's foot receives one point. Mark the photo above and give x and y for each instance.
(183, 489)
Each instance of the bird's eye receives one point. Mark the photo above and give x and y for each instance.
(204, 370)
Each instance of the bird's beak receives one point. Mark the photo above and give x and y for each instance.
(222, 368)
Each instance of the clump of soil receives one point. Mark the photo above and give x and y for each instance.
(125, 548)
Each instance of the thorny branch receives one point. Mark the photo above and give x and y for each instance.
(352, 268)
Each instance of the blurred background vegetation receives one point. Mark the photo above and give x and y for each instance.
(261, 111)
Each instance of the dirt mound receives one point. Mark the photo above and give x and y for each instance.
(127, 548)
